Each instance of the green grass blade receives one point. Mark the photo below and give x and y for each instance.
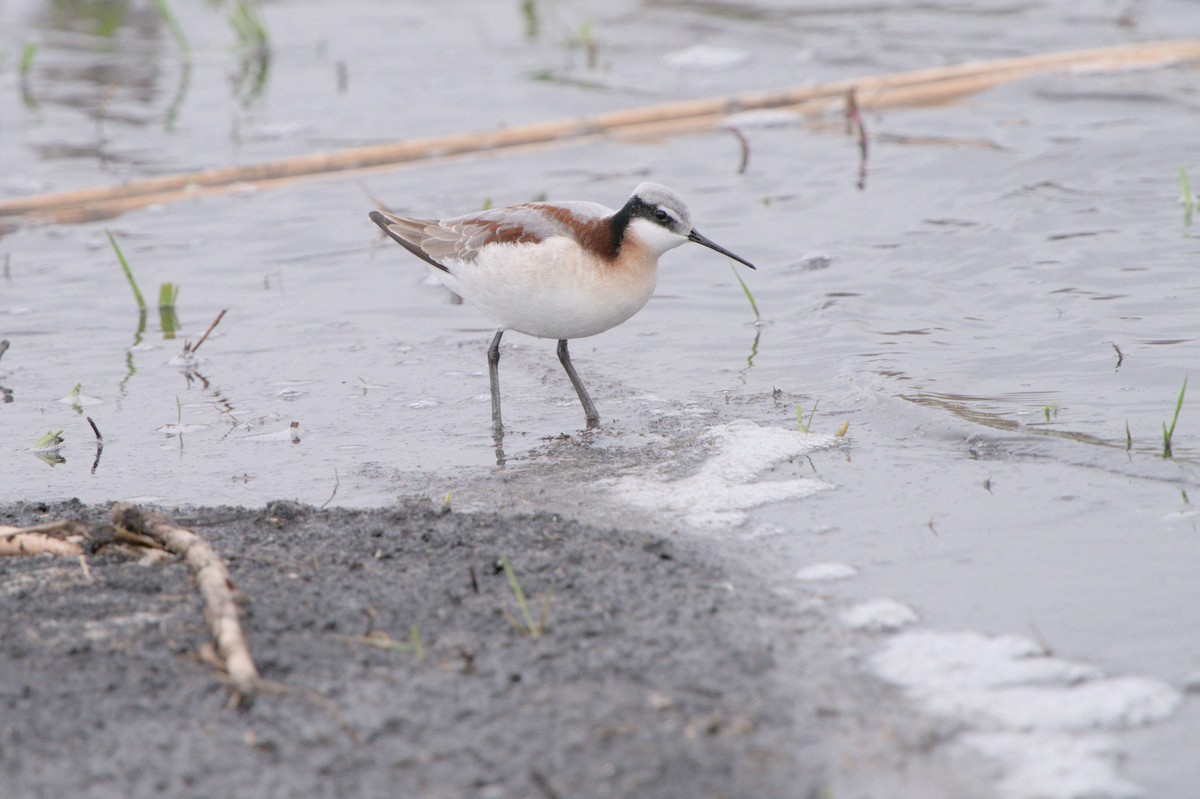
(534, 630)
(167, 293)
(749, 296)
(27, 55)
(1169, 432)
(415, 642)
(25, 71)
(1189, 199)
(51, 439)
(137, 293)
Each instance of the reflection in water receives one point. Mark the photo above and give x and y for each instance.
(5, 393)
(49, 457)
(99, 444)
(130, 67)
(966, 407)
(47, 448)
(255, 51)
(106, 58)
(130, 369)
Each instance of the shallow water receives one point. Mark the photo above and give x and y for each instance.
(1014, 289)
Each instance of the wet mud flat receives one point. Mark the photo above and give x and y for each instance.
(659, 671)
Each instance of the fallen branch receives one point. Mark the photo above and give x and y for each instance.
(216, 589)
(920, 87)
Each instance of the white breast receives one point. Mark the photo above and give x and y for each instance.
(553, 289)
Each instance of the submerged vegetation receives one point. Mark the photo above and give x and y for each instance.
(255, 50)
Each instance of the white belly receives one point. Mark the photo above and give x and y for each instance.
(553, 289)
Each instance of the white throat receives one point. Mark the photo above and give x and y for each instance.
(655, 237)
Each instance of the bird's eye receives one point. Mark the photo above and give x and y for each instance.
(661, 215)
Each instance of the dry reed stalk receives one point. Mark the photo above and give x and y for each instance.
(920, 87)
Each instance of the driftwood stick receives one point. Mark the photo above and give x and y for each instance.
(16, 541)
(919, 87)
(216, 589)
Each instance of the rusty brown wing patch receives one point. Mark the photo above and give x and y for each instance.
(595, 235)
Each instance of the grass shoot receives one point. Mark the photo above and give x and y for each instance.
(586, 39)
(1169, 432)
(381, 640)
(168, 293)
(800, 423)
(27, 55)
(749, 296)
(528, 627)
(1189, 199)
(24, 71)
(137, 293)
(50, 441)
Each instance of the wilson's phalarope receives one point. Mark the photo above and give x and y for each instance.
(558, 270)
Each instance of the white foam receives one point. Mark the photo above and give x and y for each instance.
(1056, 766)
(826, 572)
(1047, 721)
(879, 615)
(725, 487)
(705, 56)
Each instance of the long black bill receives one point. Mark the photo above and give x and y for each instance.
(699, 238)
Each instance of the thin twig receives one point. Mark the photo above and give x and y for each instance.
(336, 482)
(191, 350)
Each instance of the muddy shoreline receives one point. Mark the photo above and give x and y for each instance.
(657, 673)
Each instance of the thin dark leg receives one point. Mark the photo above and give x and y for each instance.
(494, 375)
(589, 410)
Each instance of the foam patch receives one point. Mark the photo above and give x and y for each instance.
(726, 485)
(1048, 722)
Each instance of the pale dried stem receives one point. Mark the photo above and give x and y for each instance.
(24, 543)
(921, 87)
(212, 580)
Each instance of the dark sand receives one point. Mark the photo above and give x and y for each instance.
(659, 673)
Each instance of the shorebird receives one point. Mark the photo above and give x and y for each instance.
(557, 270)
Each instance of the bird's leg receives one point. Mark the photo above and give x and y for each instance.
(494, 375)
(589, 410)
